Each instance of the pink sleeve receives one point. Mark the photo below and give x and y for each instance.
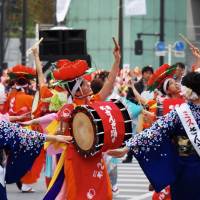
(46, 119)
(4, 117)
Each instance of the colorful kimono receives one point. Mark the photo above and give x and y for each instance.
(160, 158)
(77, 177)
(22, 148)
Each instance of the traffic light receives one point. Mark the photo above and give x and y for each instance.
(138, 47)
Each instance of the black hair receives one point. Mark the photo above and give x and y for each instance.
(161, 88)
(102, 75)
(192, 81)
(96, 85)
(22, 81)
(180, 65)
(68, 85)
(147, 69)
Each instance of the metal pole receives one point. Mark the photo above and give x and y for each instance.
(24, 18)
(121, 30)
(162, 25)
(169, 54)
(2, 25)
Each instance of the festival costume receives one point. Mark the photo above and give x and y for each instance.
(18, 103)
(161, 160)
(77, 177)
(167, 156)
(50, 100)
(22, 147)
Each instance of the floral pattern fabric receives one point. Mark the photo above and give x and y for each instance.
(23, 147)
(157, 155)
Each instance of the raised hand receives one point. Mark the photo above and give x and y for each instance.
(116, 51)
(195, 52)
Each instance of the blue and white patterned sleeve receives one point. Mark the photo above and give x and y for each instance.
(23, 148)
(13, 136)
(151, 138)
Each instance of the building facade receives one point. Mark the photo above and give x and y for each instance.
(100, 19)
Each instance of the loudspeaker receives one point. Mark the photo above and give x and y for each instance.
(62, 43)
(138, 47)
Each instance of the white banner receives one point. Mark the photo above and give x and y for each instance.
(135, 7)
(62, 7)
(190, 125)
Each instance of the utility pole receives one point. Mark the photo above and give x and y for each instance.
(162, 26)
(2, 28)
(23, 39)
(120, 31)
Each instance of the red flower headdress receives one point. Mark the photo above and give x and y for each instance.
(69, 71)
(63, 63)
(164, 72)
(22, 71)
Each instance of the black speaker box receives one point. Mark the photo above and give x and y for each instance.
(62, 43)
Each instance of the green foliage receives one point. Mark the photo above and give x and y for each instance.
(38, 11)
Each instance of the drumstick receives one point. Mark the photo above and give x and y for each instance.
(116, 45)
(29, 51)
(186, 40)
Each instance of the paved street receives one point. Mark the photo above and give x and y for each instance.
(15, 194)
(132, 185)
(132, 182)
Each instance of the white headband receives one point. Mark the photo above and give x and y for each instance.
(165, 84)
(18, 87)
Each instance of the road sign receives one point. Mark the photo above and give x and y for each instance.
(179, 49)
(160, 48)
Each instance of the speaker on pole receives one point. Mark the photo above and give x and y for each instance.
(63, 44)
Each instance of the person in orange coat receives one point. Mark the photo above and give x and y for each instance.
(19, 100)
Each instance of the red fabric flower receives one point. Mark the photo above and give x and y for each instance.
(63, 63)
(160, 75)
(72, 71)
(21, 69)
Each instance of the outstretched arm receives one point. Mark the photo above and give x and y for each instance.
(40, 120)
(41, 78)
(196, 53)
(58, 138)
(139, 98)
(118, 152)
(109, 84)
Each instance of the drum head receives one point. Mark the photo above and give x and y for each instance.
(83, 131)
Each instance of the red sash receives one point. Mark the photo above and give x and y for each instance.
(169, 104)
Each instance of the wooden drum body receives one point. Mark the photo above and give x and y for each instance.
(100, 126)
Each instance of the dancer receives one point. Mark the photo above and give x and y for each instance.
(20, 148)
(168, 151)
(75, 176)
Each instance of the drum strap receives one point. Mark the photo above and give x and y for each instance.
(76, 86)
(190, 125)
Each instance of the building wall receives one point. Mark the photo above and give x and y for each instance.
(13, 53)
(193, 26)
(100, 19)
